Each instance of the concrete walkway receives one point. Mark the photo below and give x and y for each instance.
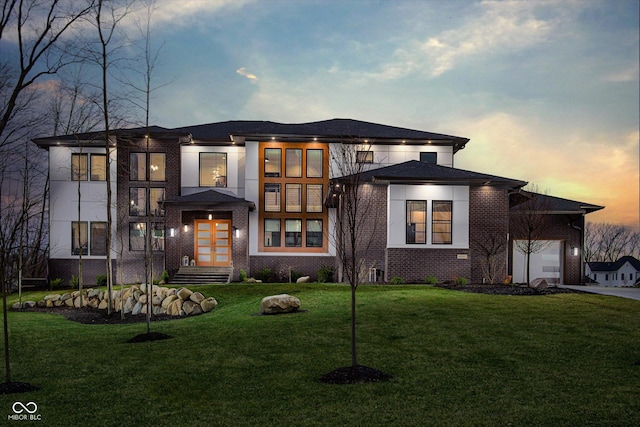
(623, 292)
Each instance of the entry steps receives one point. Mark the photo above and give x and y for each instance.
(202, 275)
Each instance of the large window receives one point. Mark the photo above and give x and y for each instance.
(79, 167)
(156, 197)
(137, 201)
(416, 221)
(293, 177)
(79, 238)
(156, 170)
(441, 225)
(98, 167)
(157, 236)
(213, 169)
(137, 236)
(98, 238)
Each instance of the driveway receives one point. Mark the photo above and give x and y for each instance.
(623, 292)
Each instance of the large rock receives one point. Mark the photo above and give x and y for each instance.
(208, 304)
(276, 304)
(539, 284)
(188, 307)
(175, 308)
(184, 294)
(303, 279)
(168, 300)
(52, 297)
(196, 297)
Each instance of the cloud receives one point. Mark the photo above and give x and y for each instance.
(243, 72)
(629, 74)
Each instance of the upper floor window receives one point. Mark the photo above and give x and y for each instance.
(429, 157)
(79, 167)
(140, 201)
(314, 164)
(137, 236)
(364, 157)
(272, 162)
(213, 169)
(293, 163)
(98, 167)
(138, 170)
(442, 219)
(416, 221)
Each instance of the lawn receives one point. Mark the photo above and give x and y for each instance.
(457, 359)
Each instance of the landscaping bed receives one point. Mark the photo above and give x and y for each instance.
(500, 289)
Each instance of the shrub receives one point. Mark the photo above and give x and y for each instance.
(396, 280)
(101, 280)
(243, 275)
(431, 280)
(266, 275)
(55, 283)
(74, 281)
(461, 281)
(325, 274)
(165, 276)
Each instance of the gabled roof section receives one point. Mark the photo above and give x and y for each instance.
(97, 138)
(614, 266)
(211, 197)
(527, 200)
(418, 172)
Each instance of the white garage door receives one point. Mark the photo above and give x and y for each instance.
(547, 263)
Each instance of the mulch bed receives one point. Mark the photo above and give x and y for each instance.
(354, 375)
(500, 289)
(92, 316)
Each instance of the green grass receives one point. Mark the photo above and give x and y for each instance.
(457, 359)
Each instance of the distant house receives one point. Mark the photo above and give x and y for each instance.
(624, 272)
(252, 195)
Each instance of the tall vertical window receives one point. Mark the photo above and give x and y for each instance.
(156, 197)
(157, 166)
(137, 201)
(137, 236)
(293, 197)
(272, 198)
(429, 157)
(98, 167)
(416, 221)
(157, 236)
(272, 232)
(314, 233)
(137, 167)
(441, 222)
(213, 169)
(314, 198)
(293, 163)
(272, 162)
(314, 164)
(293, 232)
(98, 238)
(79, 238)
(79, 167)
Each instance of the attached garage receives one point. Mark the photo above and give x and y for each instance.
(547, 263)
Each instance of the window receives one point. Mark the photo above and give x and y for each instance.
(98, 167)
(79, 167)
(98, 238)
(137, 201)
(314, 164)
(314, 198)
(272, 232)
(157, 236)
(293, 166)
(138, 167)
(293, 198)
(79, 238)
(364, 157)
(314, 233)
(272, 197)
(157, 166)
(441, 222)
(213, 169)
(416, 221)
(156, 197)
(272, 162)
(293, 232)
(429, 157)
(137, 236)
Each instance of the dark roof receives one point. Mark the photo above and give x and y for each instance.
(415, 171)
(615, 266)
(97, 138)
(212, 197)
(527, 200)
(333, 130)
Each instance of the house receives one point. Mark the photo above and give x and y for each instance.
(624, 272)
(249, 195)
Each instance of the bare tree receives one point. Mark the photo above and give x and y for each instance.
(492, 252)
(530, 226)
(605, 242)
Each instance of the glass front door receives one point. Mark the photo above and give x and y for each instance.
(213, 242)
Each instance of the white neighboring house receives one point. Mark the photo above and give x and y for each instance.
(624, 272)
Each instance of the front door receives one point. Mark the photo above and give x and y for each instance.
(213, 242)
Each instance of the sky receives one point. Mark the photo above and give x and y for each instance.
(546, 91)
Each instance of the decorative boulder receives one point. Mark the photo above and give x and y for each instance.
(184, 294)
(208, 304)
(539, 284)
(196, 297)
(303, 279)
(277, 304)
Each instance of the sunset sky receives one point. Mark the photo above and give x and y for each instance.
(547, 91)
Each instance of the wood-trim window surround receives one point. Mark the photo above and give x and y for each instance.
(293, 178)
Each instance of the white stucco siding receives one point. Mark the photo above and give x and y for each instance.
(190, 169)
(398, 196)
